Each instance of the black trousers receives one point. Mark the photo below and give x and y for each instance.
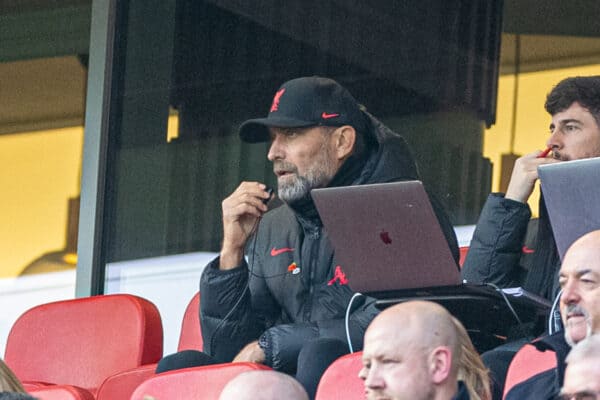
(313, 359)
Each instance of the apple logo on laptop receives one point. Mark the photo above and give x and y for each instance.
(385, 237)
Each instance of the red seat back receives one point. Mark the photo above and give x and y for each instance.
(463, 250)
(34, 385)
(61, 392)
(121, 385)
(190, 337)
(199, 383)
(81, 342)
(527, 362)
(341, 381)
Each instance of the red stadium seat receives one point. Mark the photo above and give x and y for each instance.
(463, 254)
(83, 341)
(526, 363)
(121, 385)
(190, 337)
(202, 383)
(29, 386)
(340, 381)
(61, 392)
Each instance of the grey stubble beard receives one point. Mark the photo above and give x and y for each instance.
(318, 175)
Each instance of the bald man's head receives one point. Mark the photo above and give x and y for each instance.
(426, 322)
(580, 282)
(409, 352)
(263, 385)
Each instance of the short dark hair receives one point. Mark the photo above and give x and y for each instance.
(584, 90)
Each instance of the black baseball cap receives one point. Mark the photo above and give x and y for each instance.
(304, 102)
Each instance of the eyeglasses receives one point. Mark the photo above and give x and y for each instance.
(583, 395)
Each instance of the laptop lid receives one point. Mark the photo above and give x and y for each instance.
(572, 194)
(386, 236)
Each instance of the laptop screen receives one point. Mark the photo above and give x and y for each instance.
(386, 236)
(571, 191)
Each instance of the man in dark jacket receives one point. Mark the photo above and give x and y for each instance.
(498, 252)
(508, 249)
(419, 361)
(270, 306)
(580, 313)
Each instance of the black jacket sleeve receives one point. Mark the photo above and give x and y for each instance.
(226, 315)
(495, 249)
(282, 343)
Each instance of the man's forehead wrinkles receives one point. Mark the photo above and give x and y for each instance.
(584, 270)
(579, 271)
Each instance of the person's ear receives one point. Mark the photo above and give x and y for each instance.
(344, 138)
(440, 364)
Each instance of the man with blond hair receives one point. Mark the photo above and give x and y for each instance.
(411, 351)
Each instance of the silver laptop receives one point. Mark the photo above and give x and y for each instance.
(386, 236)
(572, 194)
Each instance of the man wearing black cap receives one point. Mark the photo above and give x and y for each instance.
(289, 291)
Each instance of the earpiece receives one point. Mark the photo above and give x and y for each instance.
(270, 191)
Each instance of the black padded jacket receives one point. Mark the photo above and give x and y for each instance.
(293, 294)
(504, 248)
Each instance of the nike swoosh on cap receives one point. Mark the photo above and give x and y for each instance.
(276, 252)
(327, 116)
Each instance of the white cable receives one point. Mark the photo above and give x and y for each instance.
(551, 318)
(346, 320)
(510, 307)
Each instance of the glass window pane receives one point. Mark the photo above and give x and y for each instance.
(428, 72)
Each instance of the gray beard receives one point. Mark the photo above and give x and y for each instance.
(295, 191)
(319, 174)
(301, 186)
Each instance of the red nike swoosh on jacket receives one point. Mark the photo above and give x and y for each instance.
(527, 250)
(276, 252)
